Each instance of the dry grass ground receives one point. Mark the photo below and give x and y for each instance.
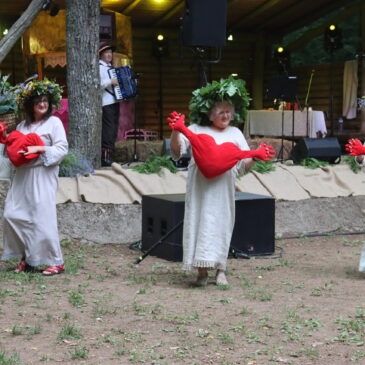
(305, 307)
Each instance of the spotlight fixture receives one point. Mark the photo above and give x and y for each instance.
(234, 75)
(6, 31)
(230, 37)
(332, 38)
(282, 57)
(54, 9)
(160, 46)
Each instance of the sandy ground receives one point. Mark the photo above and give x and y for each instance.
(303, 305)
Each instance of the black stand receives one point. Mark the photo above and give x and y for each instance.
(136, 133)
(172, 230)
(283, 88)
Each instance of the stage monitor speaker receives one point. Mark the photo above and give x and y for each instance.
(325, 149)
(204, 23)
(253, 233)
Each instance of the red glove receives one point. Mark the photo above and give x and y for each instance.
(3, 136)
(177, 122)
(264, 152)
(355, 147)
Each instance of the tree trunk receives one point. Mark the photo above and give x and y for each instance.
(83, 79)
(19, 27)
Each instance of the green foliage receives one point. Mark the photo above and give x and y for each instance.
(7, 97)
(350, 160)
(74, 164)
(33, 87)
(154, 164)
(263, 167)
(230, 89)
(313, 163)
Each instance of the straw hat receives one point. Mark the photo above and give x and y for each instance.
(103, 46)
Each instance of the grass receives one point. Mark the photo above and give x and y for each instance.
(296, 309)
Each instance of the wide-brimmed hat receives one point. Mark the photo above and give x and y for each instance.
(103, 46)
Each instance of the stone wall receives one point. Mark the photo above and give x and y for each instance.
(122, 223)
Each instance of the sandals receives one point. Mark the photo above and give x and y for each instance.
(21, 266)
(54, 270)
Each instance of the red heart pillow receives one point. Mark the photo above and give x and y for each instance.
(17, 141)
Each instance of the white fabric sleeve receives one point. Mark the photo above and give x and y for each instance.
(243, 145)
(105, 80)
(184, 147)
(55, 153)
(363, 160)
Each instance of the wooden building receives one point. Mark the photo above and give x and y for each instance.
(169, 71)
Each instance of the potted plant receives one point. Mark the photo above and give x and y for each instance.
(8, 104)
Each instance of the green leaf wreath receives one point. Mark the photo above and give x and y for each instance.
(230, 89)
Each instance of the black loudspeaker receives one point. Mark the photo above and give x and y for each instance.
(324, 149)
(204, 23)
(253, 233)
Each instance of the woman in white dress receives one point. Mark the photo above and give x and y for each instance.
(210, 203)
(30, 217)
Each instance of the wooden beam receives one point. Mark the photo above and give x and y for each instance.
(170, 13)
(258, 72)
(362, 64)
(19, 27)
(127, 10)
(254, 14)
(312, 33)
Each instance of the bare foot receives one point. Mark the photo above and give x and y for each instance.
(202, 279)
(221, 278)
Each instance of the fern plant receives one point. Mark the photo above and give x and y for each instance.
(154, 164)
(313, 163)
(350, 161)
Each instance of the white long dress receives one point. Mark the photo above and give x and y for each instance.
(30, 217)
(210, 205)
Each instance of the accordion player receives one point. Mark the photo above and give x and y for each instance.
(127, 86)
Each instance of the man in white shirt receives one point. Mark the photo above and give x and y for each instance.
(110, 114)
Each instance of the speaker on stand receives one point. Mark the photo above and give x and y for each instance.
(203, 30)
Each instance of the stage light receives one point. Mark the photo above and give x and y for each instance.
(230, 37)
(160, 37)
(234, 75)
(160, 46)
(280, 50)
(332, 38)
(5, 32)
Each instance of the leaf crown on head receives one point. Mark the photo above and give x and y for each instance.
(230, 90)
(33, 87)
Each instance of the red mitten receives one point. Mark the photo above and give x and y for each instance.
(213, 159)
(3, 135)
(18, 141)
(355, 147)
(264, 152)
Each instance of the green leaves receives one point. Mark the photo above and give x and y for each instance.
(230, 89)
(154, 164)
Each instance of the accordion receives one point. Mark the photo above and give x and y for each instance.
(127, 87)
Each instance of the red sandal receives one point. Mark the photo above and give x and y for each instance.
(21, 266)
(54, 270)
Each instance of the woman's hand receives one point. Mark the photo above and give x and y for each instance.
(355, 147)
(32, 150)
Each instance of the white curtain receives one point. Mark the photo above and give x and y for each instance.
(350, 83)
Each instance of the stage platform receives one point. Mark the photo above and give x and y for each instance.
(106, 207)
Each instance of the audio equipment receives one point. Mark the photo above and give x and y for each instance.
(127, 87)
(253, 233)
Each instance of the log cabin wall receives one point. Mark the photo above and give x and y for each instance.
(178, 77)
